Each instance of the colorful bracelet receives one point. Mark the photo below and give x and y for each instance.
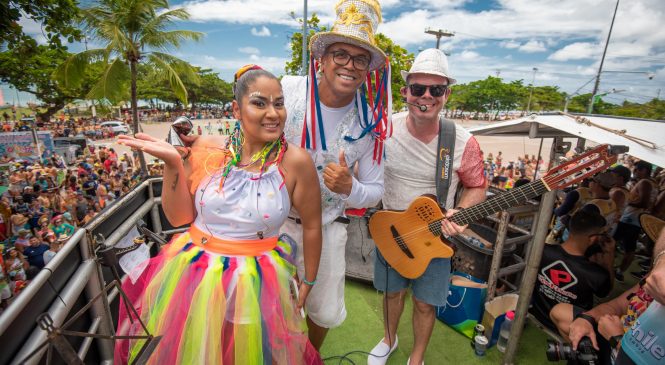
(310, 283)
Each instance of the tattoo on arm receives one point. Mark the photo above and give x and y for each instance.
(175, 182)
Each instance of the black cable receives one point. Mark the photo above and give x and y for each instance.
(345, 357)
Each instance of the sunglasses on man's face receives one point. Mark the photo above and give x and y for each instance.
(434, 90)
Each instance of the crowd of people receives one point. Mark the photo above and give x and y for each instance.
(224, 290)
(45, 201)
(504, 175)
(610, 212)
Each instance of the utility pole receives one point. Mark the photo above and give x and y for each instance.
(533, 81)
(438, 33)
(602, 60)
(303, 70)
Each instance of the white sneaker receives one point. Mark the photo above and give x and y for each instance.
(381, 352)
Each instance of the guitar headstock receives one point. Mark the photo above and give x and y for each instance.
(583, 166)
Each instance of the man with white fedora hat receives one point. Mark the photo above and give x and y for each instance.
(337, 133)
(410, 171)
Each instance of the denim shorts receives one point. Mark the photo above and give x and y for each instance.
(431, 287)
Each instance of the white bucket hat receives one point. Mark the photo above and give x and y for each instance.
(431, 61)
(356, 23)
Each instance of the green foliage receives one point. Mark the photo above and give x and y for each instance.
(294, 66)
(28, 68)
(490, 94)
(546, 98)
(131, 31)
(400, 59)
(206, 87)
(57, 18)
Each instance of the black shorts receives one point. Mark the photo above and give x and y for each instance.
(626, 235)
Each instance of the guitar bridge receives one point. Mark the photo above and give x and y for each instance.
(400, 242)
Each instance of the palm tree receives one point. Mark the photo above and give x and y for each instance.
(131, 32)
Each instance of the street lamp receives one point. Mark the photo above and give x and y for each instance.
(533, 81)
(304, 40)
(594, 95)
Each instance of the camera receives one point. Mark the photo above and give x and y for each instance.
(585, 353)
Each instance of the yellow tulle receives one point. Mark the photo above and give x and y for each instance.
(247, 319)
(158, 294)
(203, 329)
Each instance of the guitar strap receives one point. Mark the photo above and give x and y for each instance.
(446, 156)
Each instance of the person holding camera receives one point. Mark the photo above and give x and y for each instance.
(570, 275)
(632, 325)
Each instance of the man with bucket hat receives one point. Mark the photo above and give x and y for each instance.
(328, 114)
(412, 156)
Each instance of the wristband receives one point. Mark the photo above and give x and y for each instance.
(310, 283)
(587, 318)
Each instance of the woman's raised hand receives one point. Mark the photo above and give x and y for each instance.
(153, 146)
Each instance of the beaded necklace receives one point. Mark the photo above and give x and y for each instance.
(234, 146)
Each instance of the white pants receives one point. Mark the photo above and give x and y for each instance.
(325, 303)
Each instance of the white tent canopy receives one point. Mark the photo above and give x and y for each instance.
(645, 138)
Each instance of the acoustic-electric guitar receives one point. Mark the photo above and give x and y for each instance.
(410, 239)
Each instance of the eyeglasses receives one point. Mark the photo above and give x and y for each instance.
(342, 58)
(434, 90)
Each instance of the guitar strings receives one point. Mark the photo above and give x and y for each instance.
(468, 212)
(474, 213)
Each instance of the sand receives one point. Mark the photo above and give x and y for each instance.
(512, 147)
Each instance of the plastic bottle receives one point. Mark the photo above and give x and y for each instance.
(504, 334)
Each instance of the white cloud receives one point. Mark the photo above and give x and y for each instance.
(228, 66)
(468, 55)
(261, 32)
(532, 47)
(577, 51)
(510, 44)
(33, 29)
(264, 12)
(249, 50)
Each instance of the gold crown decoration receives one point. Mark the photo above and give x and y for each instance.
(356, 24)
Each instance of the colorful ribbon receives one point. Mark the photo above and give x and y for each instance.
(376, 95)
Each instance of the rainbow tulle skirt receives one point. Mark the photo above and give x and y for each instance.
(212, 308)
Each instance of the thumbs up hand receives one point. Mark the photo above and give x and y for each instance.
(337, 176)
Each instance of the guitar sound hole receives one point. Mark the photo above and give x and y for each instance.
(425, 213)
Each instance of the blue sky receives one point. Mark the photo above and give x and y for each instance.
(563, 39)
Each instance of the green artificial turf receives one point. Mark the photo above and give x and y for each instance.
(363, 329)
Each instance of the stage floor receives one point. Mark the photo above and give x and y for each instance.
(364, 327)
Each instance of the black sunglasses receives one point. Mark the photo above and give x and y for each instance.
(434, 90)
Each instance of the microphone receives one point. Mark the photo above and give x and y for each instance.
(423, 108)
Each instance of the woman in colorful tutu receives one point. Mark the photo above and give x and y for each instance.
(220, 292)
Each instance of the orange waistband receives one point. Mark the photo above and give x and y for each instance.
(231, 247)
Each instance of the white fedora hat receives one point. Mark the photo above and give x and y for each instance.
(356, 23)
(431, 61)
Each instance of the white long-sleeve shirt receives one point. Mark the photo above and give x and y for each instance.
(367, 189)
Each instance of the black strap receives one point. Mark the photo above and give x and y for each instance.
(446, 156)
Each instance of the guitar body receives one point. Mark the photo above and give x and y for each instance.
(410, 239)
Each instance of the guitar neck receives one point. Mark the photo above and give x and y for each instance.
(498, 203)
